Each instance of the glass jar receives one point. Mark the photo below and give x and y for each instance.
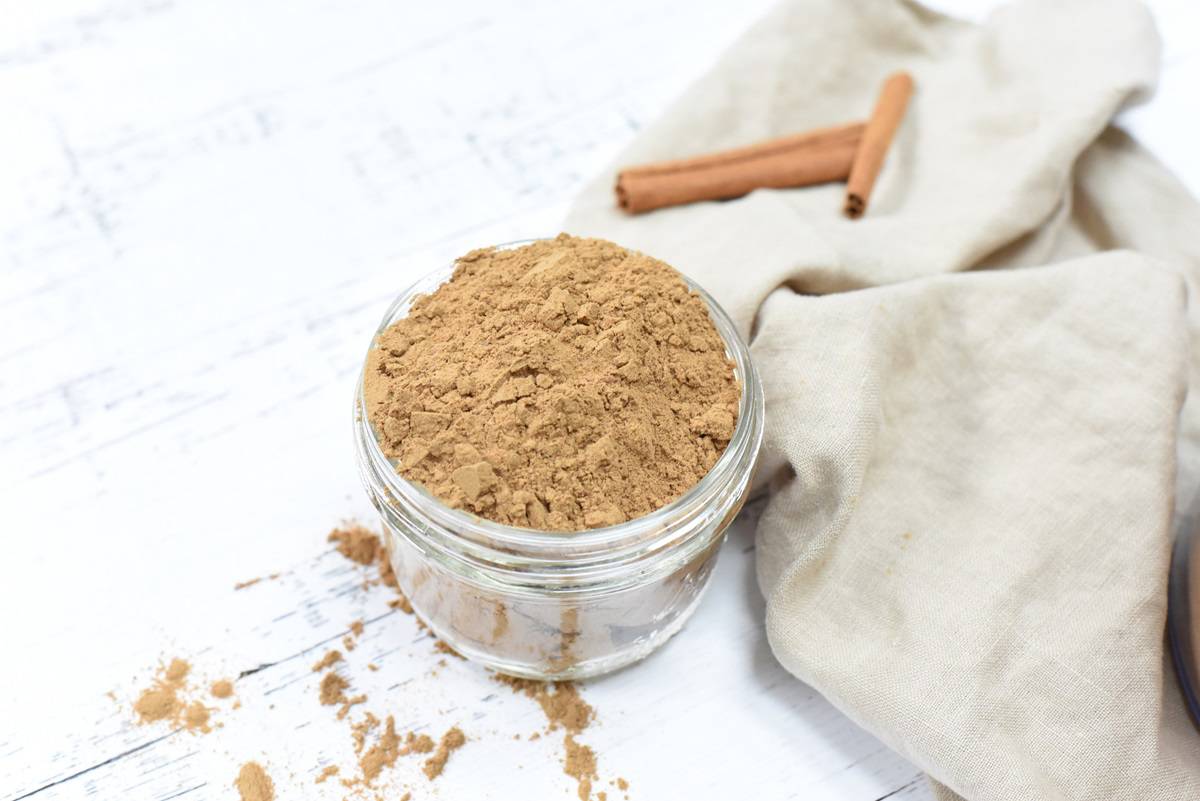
(549, 605)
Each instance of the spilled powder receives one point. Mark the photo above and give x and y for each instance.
(253, 783)
(561, 702)
(356, 543)
(580, 764)
(443, 647)
(162, 701)
(388, 748)
(564, 385)
(564, 708)
(329, 659)
(241, 585)
(333, 689)
(451, 741)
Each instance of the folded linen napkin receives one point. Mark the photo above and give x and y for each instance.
(974, 434)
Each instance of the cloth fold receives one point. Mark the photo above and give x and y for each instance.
(974, 393)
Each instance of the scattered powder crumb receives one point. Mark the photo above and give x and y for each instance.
(561, 702)
(537, 735)
(444, 647)
(381, 755)
(356, 543)
(330, 770)
(254, 784)
(601, 796)
(564, 708)
(196, 717)
(348, 643)
(622, 785)
(402, 604)
(360, 730)
(333, 689)
(327, 660)
(177, 671)
(418, 743)
(580, 764)
(356, 628)
(371, 666)
(350, 702)
(406, 797)
(241, 585)
(162, 701)
(222, 688)
(451, 742)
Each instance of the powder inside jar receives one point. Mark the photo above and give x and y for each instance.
(564, 385)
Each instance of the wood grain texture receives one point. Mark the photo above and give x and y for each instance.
(204, 210)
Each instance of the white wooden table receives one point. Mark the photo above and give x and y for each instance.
(204, 209)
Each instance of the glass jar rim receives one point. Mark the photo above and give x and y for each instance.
(636, 533)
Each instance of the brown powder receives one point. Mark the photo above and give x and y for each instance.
(564, 708)
(327, 660)
(333, 689)
(253, 783)
(356, 543)
(419, 743)
(564, 385)
(443, 647)
(222, 688)
(163, 701)
(241, 585)
(451, 742)
(356, 628)
(350, 702)
(330, 770)
(561, 702)
(361, 545)
(580, 764)
(622, 785)
(196, 717)
(360, 730)
(382, 755)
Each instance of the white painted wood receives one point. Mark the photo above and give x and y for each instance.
(204, 210)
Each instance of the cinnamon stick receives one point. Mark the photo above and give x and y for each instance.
(798, 160)
(876, 138)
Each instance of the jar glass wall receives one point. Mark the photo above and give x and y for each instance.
(551, 605)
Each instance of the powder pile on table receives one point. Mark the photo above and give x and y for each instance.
(563, 385)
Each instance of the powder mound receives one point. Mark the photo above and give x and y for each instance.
(253, 783)
(563, 385)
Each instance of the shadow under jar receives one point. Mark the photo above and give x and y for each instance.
(560, 605)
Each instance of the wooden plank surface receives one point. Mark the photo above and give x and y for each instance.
(204, 210)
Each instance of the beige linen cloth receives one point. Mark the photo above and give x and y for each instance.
(972, 466)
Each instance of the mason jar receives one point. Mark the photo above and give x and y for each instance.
(560, 605)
